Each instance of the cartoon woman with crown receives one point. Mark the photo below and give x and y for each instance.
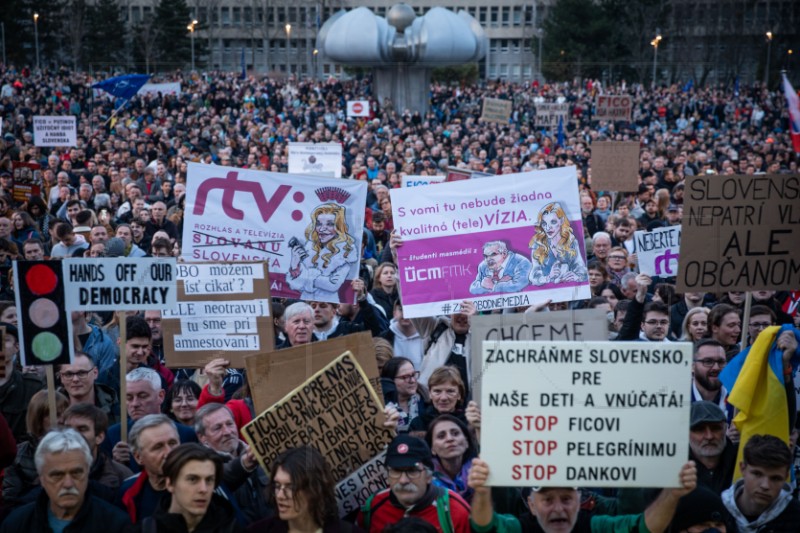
(318, 268)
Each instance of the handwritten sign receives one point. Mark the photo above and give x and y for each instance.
(336, 411)
(613, 107)
(316, 159)
(548, 114)
(55, 131)
(222, 310)
(658, 251)
(565, 414)
(354, 491)
(741, 233)
(496, 110)
(615, 166)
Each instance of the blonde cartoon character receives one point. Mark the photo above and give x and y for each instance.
(318, 268)
(555, 254)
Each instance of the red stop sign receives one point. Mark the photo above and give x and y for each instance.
(358, 107)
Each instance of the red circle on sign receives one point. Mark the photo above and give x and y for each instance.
(41, 280)
(357, 107)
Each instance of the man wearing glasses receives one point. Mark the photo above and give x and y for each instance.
(761, 317)
(78, 383)
(500, 270)
(645, 322)
(708, 361)
(411, 492)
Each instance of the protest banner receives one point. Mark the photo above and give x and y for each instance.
(418, 181)
(615, 166)
(120, 283)
(658, 251)
(163, 88)
(741, 233)
(223, 310)
(613, 107)
(353, 491)
(496, 110)
(548, 114)
(573, 325)
(589, 414)
(55, 131)
(307, 229)
(273, 375)
(457, 174)
(335, 410)
(499, 242)
(27, 180)
(358, 108)
(316, 159)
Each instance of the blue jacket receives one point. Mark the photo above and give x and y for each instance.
(514, 279)
(101, 348)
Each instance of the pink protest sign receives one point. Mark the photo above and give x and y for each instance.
(507, 241)
(308, 229)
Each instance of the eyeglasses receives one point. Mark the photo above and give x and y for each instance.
(622, 257)
(709, 363)
(663, 323)
(409, 377)
(444, 392)
(760, 325)
(80, 374)
(413, 473)
(287, 489)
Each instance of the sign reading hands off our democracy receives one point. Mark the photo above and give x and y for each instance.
(565, 414)
(741, 233)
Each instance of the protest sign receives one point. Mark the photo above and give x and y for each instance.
(273, 375)
(417, 181)
(615, 166)
(548, 114)
(223, 310)
(55, 131)
(358, 108)
(496, 110)
(316, 159)
(613, 107)
(120, 283)
(307, 229)
(27, 180)
(457, 174)
(353, 491)
(590, 414)
(574, 325)
(658, 251)
(741, 233)
(484, 240)
(335, 410)
(163, 88)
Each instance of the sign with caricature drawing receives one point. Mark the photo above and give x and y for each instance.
(307, 229)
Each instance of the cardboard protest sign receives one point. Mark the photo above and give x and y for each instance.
(574, 325)
(44, 327)
(613, 107)
(120, 283)
(418, 181)
(658, 251)
(335, 410)
(615, 166)
(307, 228)
(358, 108)
(566, 414)
(548, 114)
(55, 131)
(484, 240)
(273, 375)
(223, 310)
(27, 180)
(741, 233)
(496, 110)
(316, 159)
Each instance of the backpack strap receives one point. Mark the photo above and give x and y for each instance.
(443, 511)
(441, 327)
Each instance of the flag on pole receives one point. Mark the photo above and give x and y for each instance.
(793, 102)
(560, 138)
(124, 87)
(244, 68)
(688, 86)
(736, 86)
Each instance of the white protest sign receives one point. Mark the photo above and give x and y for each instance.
(353, 491)
(120, 283)
(548, 115)
(358, 108)
(567, 414)
(307, 229)
(55, 131)
(163, 88)
(316, 159)
(658, 251)
(417, 181)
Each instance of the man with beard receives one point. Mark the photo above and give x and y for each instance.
(707, 363)
(713, 453)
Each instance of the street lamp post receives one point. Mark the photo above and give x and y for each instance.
(191, 28)
(769, 53)
(36, 36)
(288, 37)
(654, 44)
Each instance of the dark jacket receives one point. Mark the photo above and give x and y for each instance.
(106, 399)
(219, 518)
(276, 525)
(21, 477)
(385, 300)
(720, 478)
(15, 396)
(94, 516)
(248, 488)
(8, 444)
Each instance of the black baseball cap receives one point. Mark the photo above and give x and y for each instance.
(407, 452)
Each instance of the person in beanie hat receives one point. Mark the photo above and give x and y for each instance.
(701, 510)
(411, 492)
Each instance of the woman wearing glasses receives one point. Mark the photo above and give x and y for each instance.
(617, 264)
(302, 492)
(401, 390)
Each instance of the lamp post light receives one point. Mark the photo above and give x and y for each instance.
(654, 43)
(36, 36)
(769, 53)
(288, 37)
(191, 28)
(316, 64)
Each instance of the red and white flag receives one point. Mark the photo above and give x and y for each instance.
(793, 102)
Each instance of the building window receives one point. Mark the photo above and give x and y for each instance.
(505, 16)
(493, 16)
(237, 16)
(226, 16)
(482, 15)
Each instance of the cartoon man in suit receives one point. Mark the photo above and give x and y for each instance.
(500, 270)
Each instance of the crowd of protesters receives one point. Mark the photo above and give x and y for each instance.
(183, 467)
